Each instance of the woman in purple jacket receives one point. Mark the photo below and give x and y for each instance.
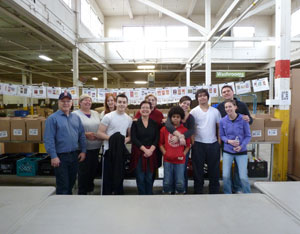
(235, 133)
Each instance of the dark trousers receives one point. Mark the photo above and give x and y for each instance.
(87, 172)
(209, 153)
(66, 172)
(144, 180)
(109, 187)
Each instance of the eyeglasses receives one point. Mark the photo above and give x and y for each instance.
(66, 102)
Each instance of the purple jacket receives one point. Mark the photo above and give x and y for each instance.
(230, 130)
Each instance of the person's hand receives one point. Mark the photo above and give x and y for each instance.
(90, 136)
(182, 141)
(127, 139)
(147, 153)
(55, 162)
(233, 143)
(174, 139)
(81, 157)
(237, 149)
(246, 118)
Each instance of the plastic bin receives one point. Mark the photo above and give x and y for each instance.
(8, 163)
(21, 113)
(44, 167)
(27, 166)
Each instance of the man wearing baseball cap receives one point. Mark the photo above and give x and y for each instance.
(65, 141)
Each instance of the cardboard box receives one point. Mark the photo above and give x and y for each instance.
(257, 129)
(273, 129)
(17, 127)
(296, 151)
(13, 148)
(5, 129)
(33, 129)
(43, 121)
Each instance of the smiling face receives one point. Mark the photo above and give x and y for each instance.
(185, 105)
(145, 110)
(86, 103)
(230, 108)
(110, 103)
(202, 99)
(65, 104)
(121, 104)
(152, 100)
(227, 93)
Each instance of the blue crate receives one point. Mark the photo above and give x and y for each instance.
(21, 113)
(27, 166)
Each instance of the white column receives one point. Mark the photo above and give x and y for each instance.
(208, 44)
(75, 66)
(188, 74)
(104, 78)
(271, 91)
(24, 82)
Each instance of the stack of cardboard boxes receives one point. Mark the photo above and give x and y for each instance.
(265, 128)
(24, 130)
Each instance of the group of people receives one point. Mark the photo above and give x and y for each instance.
(74, 139)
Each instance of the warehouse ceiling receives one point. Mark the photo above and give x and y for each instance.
(23, 40)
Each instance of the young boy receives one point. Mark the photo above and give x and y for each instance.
(174, 153)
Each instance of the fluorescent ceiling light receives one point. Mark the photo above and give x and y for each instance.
(44, 57)
(146, 66)
(94, 78)
(140, 82)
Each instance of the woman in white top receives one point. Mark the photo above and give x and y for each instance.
(109, 105)
(88, 168)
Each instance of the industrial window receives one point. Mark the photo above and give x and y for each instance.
(90, 19)
(243, 32)
(68, 2)
(295, 29)
(177, 32)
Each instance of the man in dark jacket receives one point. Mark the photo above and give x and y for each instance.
(227, 94)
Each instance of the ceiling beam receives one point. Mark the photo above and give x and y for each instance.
(129, 9)
(255, 11)
(173, 15)
(218, 25)
(191, 8)
(224, 6)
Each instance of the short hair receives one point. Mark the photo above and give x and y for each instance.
(145, 102)
(106, 108)
(231, 101)
(176, 110)
(226, 86)
(121, 95)
(151, 95)
(185, 98)
(84, 96)
(200, 91)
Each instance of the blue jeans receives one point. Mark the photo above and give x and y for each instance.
(144, 180)
(173, 173)
(242, 162)
(66, 172)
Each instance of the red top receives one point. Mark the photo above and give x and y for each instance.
(174, 152)
(155, 115)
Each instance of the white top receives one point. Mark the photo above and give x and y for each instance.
(90, 125)
(206, 124)
(102, 115)
(116, 123)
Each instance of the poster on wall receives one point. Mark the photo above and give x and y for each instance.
(230, 84)
(1, 88)
(212, 90)
(53, 92)
(134, 96)
(101, 94)
(260, 85)
(92, 92)
(243, 87)
(24, 91)
(38, 92)
(10, 89)
(73, 91)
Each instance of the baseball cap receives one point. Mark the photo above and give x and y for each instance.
(65, 94)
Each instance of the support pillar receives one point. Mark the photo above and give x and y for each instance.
(282, 82)
(208, 44)
(188, 74)
(105, 78)
(24, 82)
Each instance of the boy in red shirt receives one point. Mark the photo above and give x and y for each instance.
(174, 154)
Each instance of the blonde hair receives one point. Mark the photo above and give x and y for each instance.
(83, 96)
